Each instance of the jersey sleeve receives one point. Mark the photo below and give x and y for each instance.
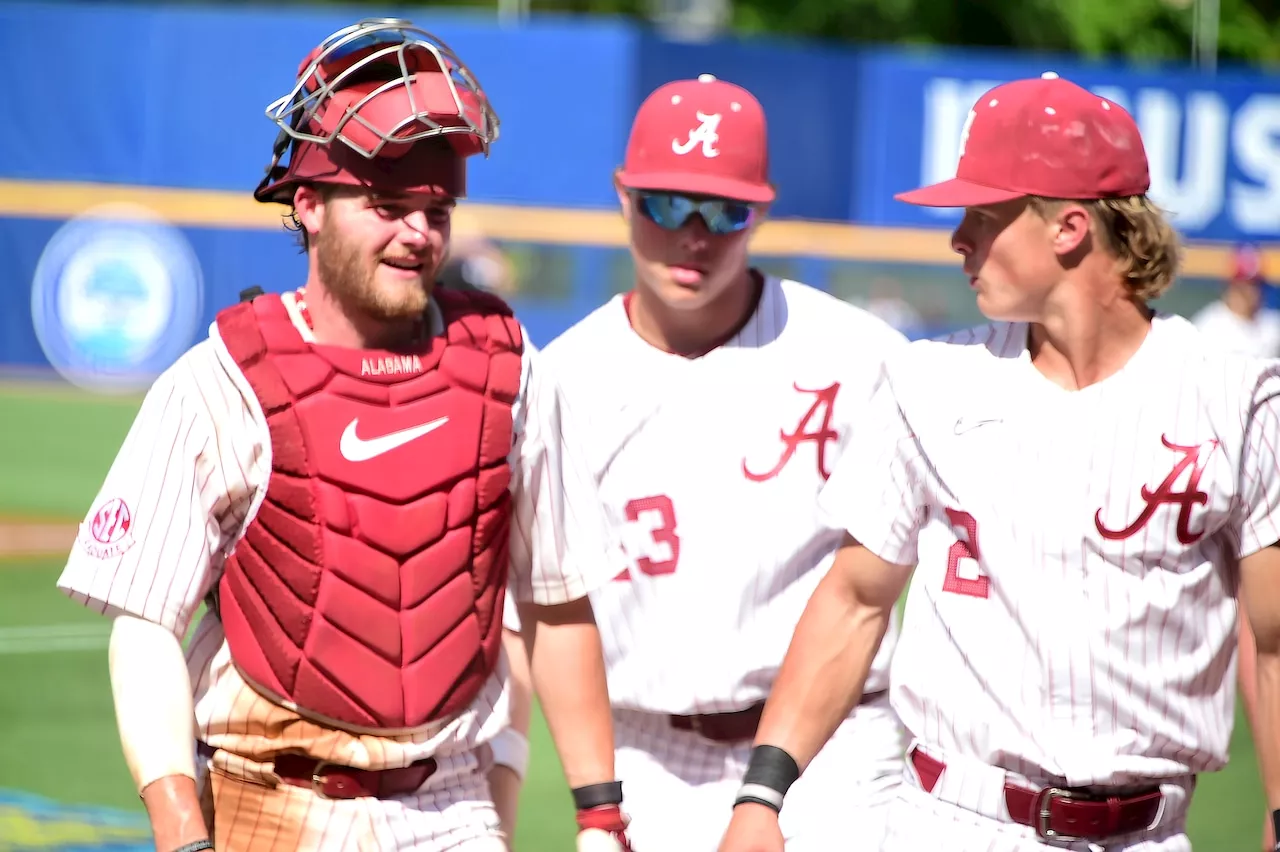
(560, 547)
(1260, 465)
(145, 547)
(876, 491)
(510, 615)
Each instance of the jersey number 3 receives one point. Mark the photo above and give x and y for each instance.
(966, 549)
(661, 535)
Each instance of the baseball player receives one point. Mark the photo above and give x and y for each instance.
(347, 475)
(715, 400)
(1240, 319)
(1079, 486)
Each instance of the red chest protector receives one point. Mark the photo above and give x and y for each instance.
(367, 591)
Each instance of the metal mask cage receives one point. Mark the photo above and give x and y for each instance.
(381, 46)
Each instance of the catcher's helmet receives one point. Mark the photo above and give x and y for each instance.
(381, 104)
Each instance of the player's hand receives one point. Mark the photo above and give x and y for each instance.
(603, 829)
(753, 828)
(504, 789)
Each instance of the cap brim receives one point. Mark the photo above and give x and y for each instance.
(957, 193)
(701, 184)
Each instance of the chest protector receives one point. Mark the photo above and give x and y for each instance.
(367, 591)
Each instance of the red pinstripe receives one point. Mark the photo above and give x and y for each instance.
(662, 430)
(192, 470)
(704, 638)
(1062, 674)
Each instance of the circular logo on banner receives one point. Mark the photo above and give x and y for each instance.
(116, 299)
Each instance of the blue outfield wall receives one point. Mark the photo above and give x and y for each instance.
(1213, 141)
(172, 98)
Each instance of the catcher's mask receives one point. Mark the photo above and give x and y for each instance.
(380, 104)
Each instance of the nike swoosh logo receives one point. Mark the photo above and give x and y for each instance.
(963, 425)
(356, 449)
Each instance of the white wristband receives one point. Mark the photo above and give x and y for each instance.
(511, 749)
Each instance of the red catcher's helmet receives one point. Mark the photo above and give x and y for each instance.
(380, 104)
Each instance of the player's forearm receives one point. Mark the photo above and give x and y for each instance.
(825, 669)
(173, 806)
(1247, 674)
(511, 745)
(504, 787)
(1266, 723)
(521, 685)
(1260, 597)
(152, 694)
(567, 667)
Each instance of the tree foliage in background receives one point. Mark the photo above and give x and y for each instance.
(1145, 30)
(1141, 30)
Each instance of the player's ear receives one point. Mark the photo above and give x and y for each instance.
(309, 208)
(624, 197)
(1071, 228)
(762, 213)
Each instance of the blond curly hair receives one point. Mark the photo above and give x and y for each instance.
(1137, 233)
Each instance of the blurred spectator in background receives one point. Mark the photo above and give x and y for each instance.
(1239, 320)
(887, 301)
(478, 263)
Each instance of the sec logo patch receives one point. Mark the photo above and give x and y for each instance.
(109, 531)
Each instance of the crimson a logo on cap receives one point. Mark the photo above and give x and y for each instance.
(109, 531)
(964, 131)
(707, 133)
(973, 114)
(704, 134)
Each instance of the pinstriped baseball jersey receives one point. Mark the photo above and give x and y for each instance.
(189, 477)
(709, 469)
(1072, 611)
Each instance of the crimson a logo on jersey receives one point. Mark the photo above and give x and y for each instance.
(1194, 457)
(823, 402)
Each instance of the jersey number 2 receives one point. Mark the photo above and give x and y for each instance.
(662, 534)
(966, 547)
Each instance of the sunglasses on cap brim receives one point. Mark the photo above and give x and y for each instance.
(671, 211)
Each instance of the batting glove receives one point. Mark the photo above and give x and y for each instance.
(601, 825)
(603, 829)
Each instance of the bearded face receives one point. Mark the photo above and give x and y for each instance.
(378, 254)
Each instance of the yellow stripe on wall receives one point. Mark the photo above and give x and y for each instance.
(551, 225)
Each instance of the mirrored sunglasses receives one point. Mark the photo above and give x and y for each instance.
(670, 211)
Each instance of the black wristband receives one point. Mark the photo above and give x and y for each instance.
(196, 846)
(596, 795)
(1275, 827)
(769, 776)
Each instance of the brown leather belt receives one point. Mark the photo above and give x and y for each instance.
(738, 725)
(731, 727)
(335, 781)
(1063, 814)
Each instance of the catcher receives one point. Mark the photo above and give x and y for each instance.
(349, 475)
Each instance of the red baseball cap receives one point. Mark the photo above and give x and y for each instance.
(1246, 264)
(702, 137)
(1043, 136)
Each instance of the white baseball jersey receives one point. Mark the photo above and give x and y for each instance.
(194, 469)
(1259, 336)
(709, 469)
(1072, 611)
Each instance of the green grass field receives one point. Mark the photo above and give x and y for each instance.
(57, 728)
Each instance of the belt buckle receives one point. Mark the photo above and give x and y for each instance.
(1044, 801)
(317, 780)
(695, 725)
